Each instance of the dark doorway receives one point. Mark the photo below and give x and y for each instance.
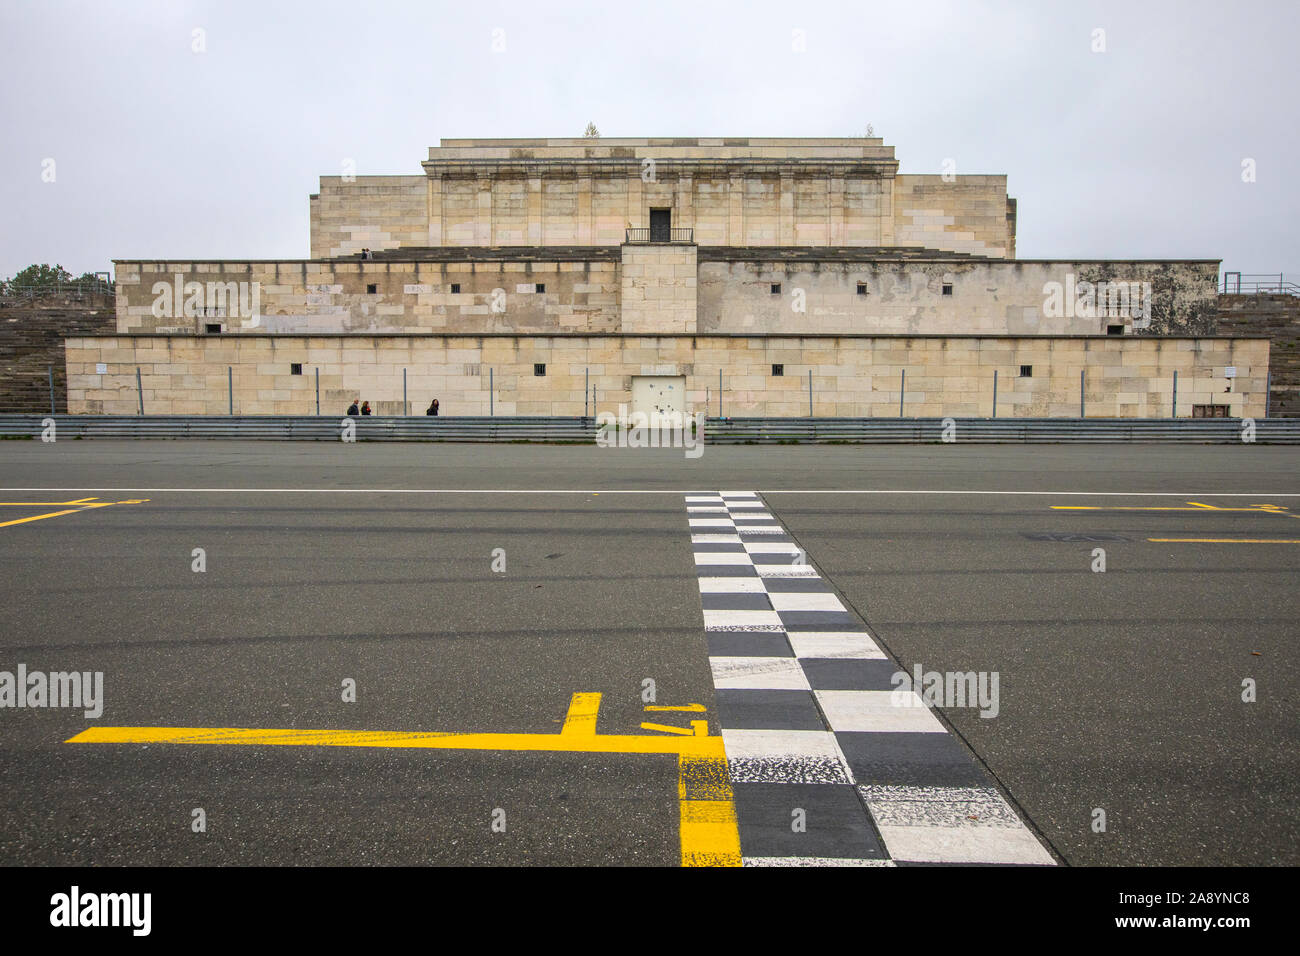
(661, 225)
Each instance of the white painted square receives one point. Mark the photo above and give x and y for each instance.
(732, 586)
(707, 538)
(740, 620)
(703, 558)
(784, 756)
(878, 711)
(757, 673)
(836, 645)
(772, 547)
(710, 522)
(805, 601)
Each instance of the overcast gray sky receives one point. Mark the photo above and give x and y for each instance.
(159, 151)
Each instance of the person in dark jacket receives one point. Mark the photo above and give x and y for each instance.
(365, 408)
(433, 408)
(352, 409)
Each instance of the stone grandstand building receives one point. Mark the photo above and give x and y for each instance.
(569, 276)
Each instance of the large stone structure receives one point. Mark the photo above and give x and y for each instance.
(764, 259)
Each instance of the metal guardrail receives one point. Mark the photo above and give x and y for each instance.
(306, 427)
(717, 431)
(640, 235)
(1254, 283)
(773, 431)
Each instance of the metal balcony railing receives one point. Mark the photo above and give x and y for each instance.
(660, 235)
(1253, 283)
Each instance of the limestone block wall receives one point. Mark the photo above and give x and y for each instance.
(907, 296)
(658, 288)
(368, 212)
(970, 214)
(732, 192)
(324, 296)
(851, 375)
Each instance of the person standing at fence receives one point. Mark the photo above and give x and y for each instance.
(352, 409)
(433, 408)
(365, 408)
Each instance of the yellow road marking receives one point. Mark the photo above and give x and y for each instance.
(52, 514)
(1227, 540)
(710, 835)
(83, 504)
(666, 728)
(1256, 509)
(691, 708)
(707, 815)
(581, 718)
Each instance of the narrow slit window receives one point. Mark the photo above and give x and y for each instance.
(295, 368)
(541, 287)
(1026, 371)
(539, 368)
(862, 288)
(371, 289)
(455, 288)
(776, 288)
(778, 369)
(947, 288)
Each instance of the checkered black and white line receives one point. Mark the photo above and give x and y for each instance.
(810, 721)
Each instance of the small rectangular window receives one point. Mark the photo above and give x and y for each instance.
(371, 289)
(776, 288)
(862, 288)
(1114, 330)
(778, 369)
(541, 287)
(539, 368)
(295, 368)
(1026, 371)
(455, 288)
(213, 328)
(947, 288)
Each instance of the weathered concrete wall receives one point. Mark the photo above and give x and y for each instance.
(733, 192)
(969, 214)
(308, 296)
(852, 375)
(370, 212)
(658, 293)
(906, 296)
(1278, 317)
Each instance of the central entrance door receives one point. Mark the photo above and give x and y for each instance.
(659, 395)
(661, 225)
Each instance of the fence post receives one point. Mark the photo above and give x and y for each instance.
(995, 393)
(1173, 411)
(491, 389)
(719, 393)
(1081, 407)
(586, 387)
(1268, 393)
(902, 388)
(810, 401)
(139, 389)
(406, 406)
(318, 390)
(51, 368)
(230, 388)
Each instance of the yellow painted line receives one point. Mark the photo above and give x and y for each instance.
(581, 718)
(710, 835)
(52, 514)
(1258, 509)
(686, 731)
(1227, 540)
(553, 743)
(690, 708)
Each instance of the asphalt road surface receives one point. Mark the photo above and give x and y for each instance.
(478, 588)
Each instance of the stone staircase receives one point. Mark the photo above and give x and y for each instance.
(31, 342)
(1277, 316)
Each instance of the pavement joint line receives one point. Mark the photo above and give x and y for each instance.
(806, 702)
(706, 813)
